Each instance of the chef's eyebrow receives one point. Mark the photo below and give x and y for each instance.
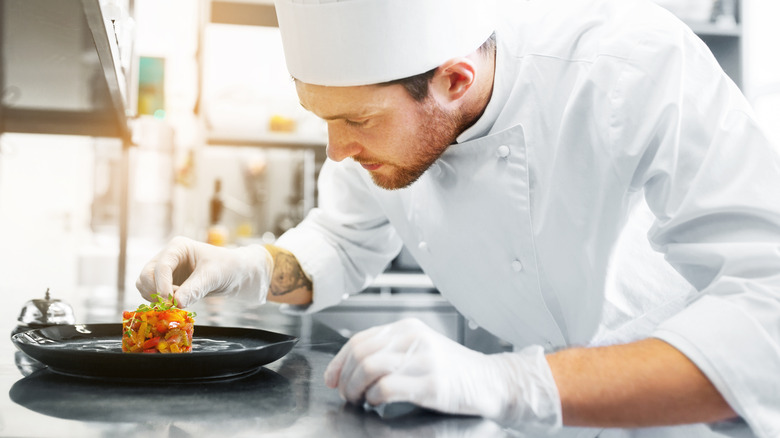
(344, 116)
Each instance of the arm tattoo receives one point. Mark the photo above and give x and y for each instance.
(288, 276)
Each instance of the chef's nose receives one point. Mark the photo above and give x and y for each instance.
(340, 145)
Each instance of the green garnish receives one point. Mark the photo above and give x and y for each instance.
(162, 304)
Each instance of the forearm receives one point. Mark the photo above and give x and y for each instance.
(289, 284)
(645, 383)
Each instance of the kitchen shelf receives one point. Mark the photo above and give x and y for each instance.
(714, 30)
(724, 38)
(403, 280)
(726, 46)
(268, 139)
(244, 12)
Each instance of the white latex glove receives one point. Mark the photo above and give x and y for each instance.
(189, 270)
(409, 361)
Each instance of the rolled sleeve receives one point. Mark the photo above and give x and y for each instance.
(320, 261)
(345, 242)
(711, 179)
(736, 352)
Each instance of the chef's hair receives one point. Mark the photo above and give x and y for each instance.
(417, 85)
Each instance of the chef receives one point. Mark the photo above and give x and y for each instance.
(578, 177)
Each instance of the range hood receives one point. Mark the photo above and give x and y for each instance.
(59, 70)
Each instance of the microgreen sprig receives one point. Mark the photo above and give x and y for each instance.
(161, 304)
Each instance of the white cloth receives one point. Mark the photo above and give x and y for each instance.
(596, 104)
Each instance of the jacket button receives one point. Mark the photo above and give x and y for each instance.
(517, 266)
(502, 151)
(423, 246)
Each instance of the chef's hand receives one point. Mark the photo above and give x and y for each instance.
(188, 270)
(409, 361)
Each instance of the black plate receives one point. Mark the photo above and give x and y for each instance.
(94, 350)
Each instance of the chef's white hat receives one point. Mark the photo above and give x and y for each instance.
(361, 42)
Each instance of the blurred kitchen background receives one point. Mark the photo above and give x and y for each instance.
(126, 122)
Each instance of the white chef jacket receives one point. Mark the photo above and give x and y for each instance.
(599, 107)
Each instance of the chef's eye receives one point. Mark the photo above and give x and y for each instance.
(356, 123)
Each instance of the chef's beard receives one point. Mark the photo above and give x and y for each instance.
(436, 130)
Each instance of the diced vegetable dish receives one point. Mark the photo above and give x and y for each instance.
(160, 327)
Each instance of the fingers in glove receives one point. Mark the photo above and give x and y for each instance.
(364, 343)
(369, 356)
(192, 290)
(168, 261)
(398, 388)
(157, 275)
(145, 282)
(366, 373)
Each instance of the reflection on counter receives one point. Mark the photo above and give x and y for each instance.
(350, 421)
(27, 365)
(262, 401)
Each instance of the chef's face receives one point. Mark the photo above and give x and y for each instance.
(394, 137)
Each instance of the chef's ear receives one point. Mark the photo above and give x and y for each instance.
(454, 78)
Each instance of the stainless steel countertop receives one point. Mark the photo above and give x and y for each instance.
(285, 398)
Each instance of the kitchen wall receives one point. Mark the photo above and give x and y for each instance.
(45, 199)
(228, 84)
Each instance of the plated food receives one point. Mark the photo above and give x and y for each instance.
(160, 327)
